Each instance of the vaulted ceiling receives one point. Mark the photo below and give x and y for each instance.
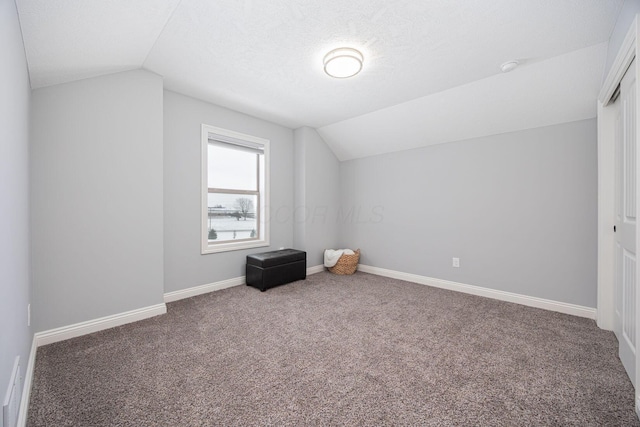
(431, 69)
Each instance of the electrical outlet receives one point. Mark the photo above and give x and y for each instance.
(28, 314)
(456, 262)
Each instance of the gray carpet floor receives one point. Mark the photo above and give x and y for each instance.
(336, 350)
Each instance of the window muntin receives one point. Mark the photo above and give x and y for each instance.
(235, 190)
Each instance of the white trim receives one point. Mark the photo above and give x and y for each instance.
(263, 215)
(203, 289)
(635, 28)
(217, 286)
(315, 269)
(623, 59)
(78, 329)
(606, 218)
(235, 246)
(560, 307)
(606, 172)
(26, 385)
(95, 325)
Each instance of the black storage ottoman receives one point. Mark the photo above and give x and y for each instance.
(270, 269)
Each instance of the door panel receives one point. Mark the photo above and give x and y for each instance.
(625, 214)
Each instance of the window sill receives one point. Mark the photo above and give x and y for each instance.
(233, 246)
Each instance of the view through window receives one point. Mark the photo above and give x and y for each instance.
(235, 191)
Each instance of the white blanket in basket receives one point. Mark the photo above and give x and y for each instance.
(331, 256)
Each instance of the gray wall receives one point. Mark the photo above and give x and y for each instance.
(96, 175)
(627, 14)
(15, 336)
(184, 265)
(317, 190)
(518, 209)
(299, 189)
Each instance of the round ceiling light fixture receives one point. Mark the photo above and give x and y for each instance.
(509, 66)
(343, 62)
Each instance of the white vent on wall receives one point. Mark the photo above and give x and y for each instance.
(11, 404)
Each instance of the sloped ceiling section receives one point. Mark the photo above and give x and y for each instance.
(433, 60)
(265, 57)
(558, 90)
(67, 40)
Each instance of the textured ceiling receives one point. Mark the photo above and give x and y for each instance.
(265, 57)
(558, 90)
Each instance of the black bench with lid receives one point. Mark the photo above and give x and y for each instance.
(269, 269)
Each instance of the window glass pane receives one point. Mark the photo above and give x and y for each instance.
(232, 169)
(232, 217)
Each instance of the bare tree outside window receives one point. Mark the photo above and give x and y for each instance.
(245, 206)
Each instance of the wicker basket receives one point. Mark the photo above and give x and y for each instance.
(347, 264)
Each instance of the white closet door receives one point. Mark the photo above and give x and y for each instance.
(625, 211)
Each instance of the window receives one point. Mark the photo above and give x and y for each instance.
(235, 178)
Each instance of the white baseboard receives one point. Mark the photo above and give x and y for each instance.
(560, 307)
(203, 289)
(78, 329)
(315, 269)
(223, 284)
(26, 385)
(95, 325)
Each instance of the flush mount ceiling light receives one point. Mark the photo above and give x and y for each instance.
(343, 62)
(509, 66)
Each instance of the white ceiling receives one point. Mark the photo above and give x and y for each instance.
(430, 73)
(558, 90)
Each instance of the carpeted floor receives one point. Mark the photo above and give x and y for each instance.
(335, 350)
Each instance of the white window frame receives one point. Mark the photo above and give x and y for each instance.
(215, 133)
